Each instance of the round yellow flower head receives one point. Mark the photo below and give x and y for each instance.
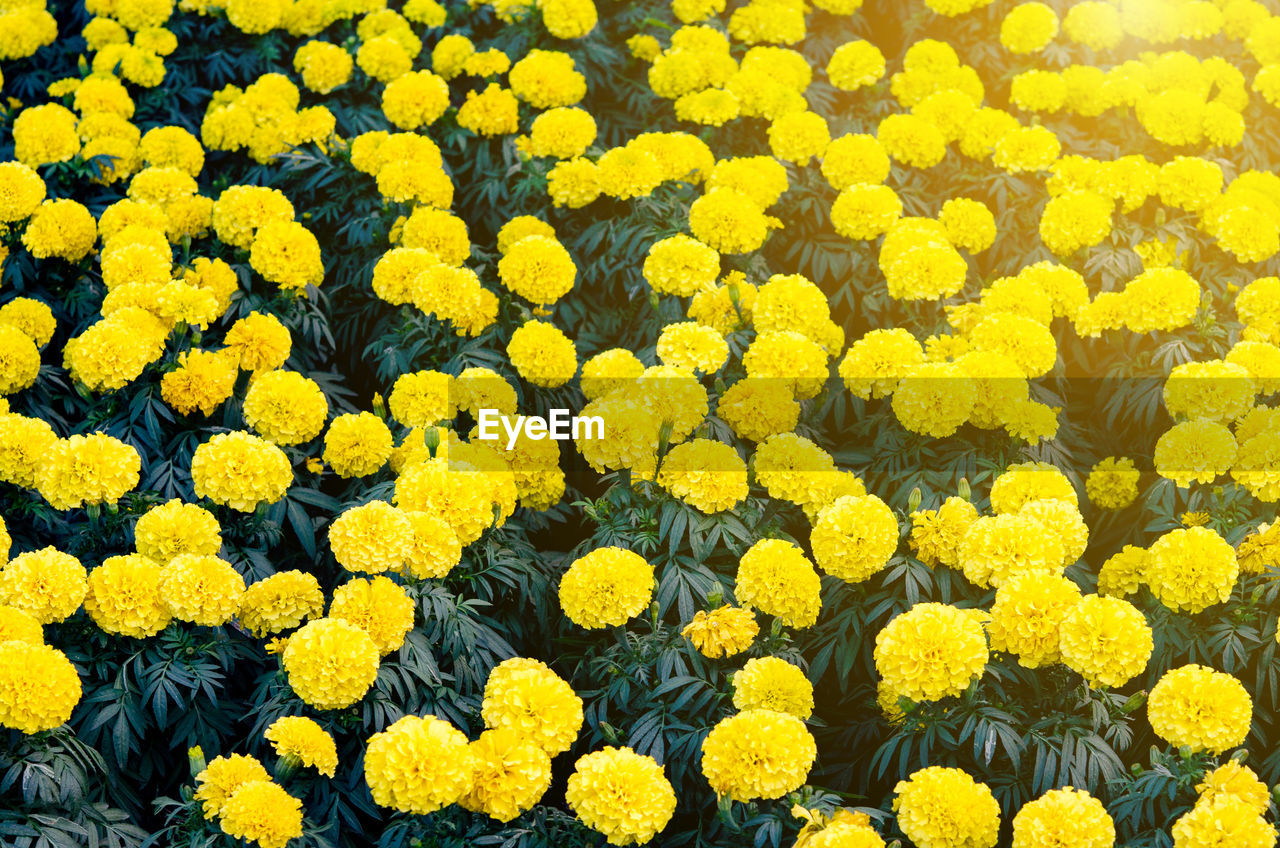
(538, 268)
(1191, 569)
(1027, 615)
(371, 538)
(1105, 640)
(606, 588)
(931, 651)
(379, 607)
(758, 754)
(124, 597)
(262, 811)
(46, 584)
(526, 696)
(1223, 821)
(1030, 481)
(511, 775)
(201, 589)
(1066, 816)
(1113, 483)
(855, 537)
(770, 683)
(39, 687)
(280, 602)
(419, 765)
(1201, 709)
(240, 470)
(21, 192)
(285, 407)
(621, 794)
(706, 474)
(330, 663)
(305, 741)
(936, 533)
(758, 409)
(172, 528)
(775, 577)
(722, 632)
(998, 547)
(357, 444)
(543, 354)
(222, 777)
(1238, 781)
(940, 807)
(16, 625)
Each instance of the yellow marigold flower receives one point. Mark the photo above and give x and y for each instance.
(415, 99)
(511, 775)
(1260, 550)
(1028, 28)
(770, 683)
(21, 192)
(305, 741)
(706, 474)
(936, 534)
(61, 228)
(174, 528)
(419, 765)
(874, 364)
(621, 794)
(1030, 481)
(1063, 520)
(1191, 569)
(693, 346)
(970, 224)
(792, 359)
(1066, 816)
(87, 470)
(798, 137)
(539, 269)
(1201, 709)
(1221, 822)
(1027, 614)
(1113, 483)
(728, 221)
(681, 265)
(241, 210)
(357, 444)
(240, 470)
(1106, 640)
(919, 262)
(379, 607)
(1095, 24)
(757, 754)
(933, 399)
(202, 382)
(330, 663)
(263, 812)
(1123, 572)
(435, 549)
(996, 548)
(775, 577)
(543, 354)
(563, 132)
(757, 409)
(940, 807)
(931, 651)
(627, 172)
(371, 538)
(573, 183)
(1075, 220)
(280, 602)
(39, 687)
(722, 632)
(287, 254)
(853, 159)
(1214, 390)
(547, 78)
(452, 489)
(222, 777)
(165, 147)
(1231, 779)
(854, 65)
(124, 597)
(19, 360)
(1195, 451)
(529, 698)
(16, 625)
(606, 588)
(422, 398)
(260, 342)
(854, 537)
(201, 589)
(45, 134)
(46, 584)
(322, 66)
